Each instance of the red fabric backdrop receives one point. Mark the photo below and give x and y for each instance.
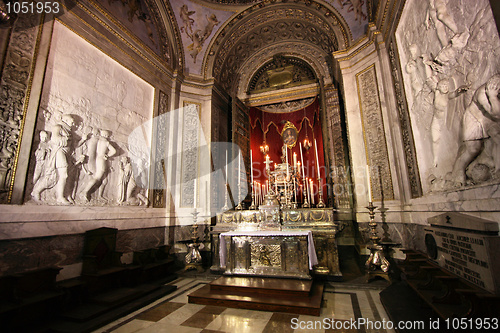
(272, 124)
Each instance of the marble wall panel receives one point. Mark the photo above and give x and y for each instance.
(89, 106)
(445, 52)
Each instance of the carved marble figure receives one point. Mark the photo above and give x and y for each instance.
(42, 154)
(438, 15)
(56, 170)
(442, 95)
(480, 122)
(127, 185)
(103, 151)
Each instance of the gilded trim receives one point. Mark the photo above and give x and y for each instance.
(25, 108)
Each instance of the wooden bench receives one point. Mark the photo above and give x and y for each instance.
(28, 297)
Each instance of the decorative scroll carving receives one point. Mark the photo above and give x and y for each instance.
(190, 156)
(288, 106)
(161, 146)
(337, 147)
(404, 119)
(374, 134)
(13, 91)
(241, 133)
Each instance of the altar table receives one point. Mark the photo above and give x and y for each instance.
(268, 253)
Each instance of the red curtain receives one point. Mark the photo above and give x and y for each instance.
(307, 122)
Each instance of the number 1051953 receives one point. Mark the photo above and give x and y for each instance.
(33, 7)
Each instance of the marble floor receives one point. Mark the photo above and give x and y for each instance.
(345, 308)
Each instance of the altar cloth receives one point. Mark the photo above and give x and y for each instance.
(313, 259)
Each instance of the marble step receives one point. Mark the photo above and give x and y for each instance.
(275, 286)
(241, 298)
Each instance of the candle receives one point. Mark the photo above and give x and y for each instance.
(295, 160)
(302, 159)
(369, 184)
(286, 155)
(263, 190)
(295, 190)
(308, 190)
(251, 165)
(312, 191)
(239, 170)
(317, 158)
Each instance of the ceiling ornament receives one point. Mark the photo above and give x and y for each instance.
(288, 106)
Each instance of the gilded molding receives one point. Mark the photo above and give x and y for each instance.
(25, 102)
(107, 27)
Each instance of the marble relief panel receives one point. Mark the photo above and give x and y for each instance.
(90, 104)
(449, 55)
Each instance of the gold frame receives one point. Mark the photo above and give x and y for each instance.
(288, 126)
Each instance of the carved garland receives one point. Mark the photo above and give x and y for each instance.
(15, 89)
(374, 134)
(161, 146)
(191, 124)
(404, 119)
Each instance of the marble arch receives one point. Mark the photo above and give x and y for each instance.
(311, 54)
(265, 25)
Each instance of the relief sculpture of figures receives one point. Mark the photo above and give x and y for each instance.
(442, 95)
(99, 158)
(127, 185)
(42, 154)
(56, 168)
(480, 130)
(438, 14)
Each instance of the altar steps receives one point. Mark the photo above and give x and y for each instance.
(265, 294)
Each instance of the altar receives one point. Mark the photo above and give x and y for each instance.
(268, 253)
(287, 230)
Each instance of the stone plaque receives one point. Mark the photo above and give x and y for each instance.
(466, 246)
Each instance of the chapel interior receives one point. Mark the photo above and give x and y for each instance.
(320, 158)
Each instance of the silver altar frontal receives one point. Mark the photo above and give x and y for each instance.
(319, 221)
(269, 253)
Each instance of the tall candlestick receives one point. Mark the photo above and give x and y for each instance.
(251, 166)
(317, 158)
(369, 183)
(286, 155)
(312, 191)
(302, 160)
